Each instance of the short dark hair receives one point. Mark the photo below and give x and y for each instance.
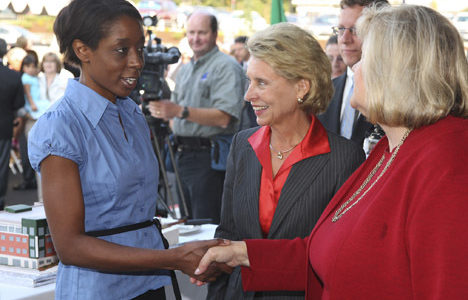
(241, 39)
(350, 3)
(88, 21)
(214, 23)
(332, 40)
(3, 48)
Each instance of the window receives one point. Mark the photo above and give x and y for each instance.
(49, 250)
(3, 228)
(12, 250)
(11, 238)
(41, 253)
(31, 242)
(25, 230)
(31, 230)
(18, 230)
(25, 251)
(18, 239)
(3, 237)
(11, 228)
(18, 251)
(3, 248)
(32, 253)
(41, 243)
(40, 231)
(25, 240)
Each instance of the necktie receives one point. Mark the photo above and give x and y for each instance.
(348, 115)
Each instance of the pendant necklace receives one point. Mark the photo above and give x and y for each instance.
(344, 207)
(279, 154)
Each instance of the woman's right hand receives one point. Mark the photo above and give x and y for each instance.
(232, 255)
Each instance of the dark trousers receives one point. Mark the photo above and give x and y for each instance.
(29, 175)
(5, 146)
(158, 294)
(203, 186)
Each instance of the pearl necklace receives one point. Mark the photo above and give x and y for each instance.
(344, 207)
(279, 154)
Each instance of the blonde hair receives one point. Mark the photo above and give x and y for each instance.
(56, 59)
(295, 54)
(414, 65)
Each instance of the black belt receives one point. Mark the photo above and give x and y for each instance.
(192, 142)
(121, 229)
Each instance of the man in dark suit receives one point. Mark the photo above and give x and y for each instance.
(340, 117)
(11, 99)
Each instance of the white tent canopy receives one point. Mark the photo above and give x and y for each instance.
(52, 7)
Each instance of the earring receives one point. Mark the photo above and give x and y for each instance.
(300, 100)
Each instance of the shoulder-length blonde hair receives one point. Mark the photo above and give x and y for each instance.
(295, 54)
(55, 58)
(414, 65)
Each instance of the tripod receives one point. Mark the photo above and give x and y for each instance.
(160, 132)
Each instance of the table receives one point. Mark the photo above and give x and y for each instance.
(188, 290)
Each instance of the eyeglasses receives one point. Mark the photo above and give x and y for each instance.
(339, 31)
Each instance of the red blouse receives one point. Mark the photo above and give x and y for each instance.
(314, 143)
(406, 239)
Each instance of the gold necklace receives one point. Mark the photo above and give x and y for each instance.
(344, 207)
(279, 154)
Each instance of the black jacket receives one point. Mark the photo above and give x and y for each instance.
(331, 118)
(11, 99)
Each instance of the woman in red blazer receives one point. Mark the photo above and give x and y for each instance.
(397, 228)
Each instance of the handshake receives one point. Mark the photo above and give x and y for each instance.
(204, 261)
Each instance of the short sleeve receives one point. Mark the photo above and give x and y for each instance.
(27, 79)
(55, 133)
(227, 89)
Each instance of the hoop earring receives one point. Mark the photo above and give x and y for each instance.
(300, 100)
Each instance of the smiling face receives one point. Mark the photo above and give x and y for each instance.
(49, 65)
(199, 34)
(273, 97)
(350, 44)
(112, 69)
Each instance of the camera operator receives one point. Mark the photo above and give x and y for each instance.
(205, 111)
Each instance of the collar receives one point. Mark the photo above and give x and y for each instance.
(205, 57)
(314, 143)
(349, 73)
(92, 104)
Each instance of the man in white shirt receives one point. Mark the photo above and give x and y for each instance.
(340, 117)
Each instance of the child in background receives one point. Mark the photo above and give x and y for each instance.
(35, 106)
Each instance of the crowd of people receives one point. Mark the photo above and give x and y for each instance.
(271, 144)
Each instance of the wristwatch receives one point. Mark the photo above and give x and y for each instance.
(185, 113)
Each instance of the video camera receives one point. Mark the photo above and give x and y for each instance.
(152, 80)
